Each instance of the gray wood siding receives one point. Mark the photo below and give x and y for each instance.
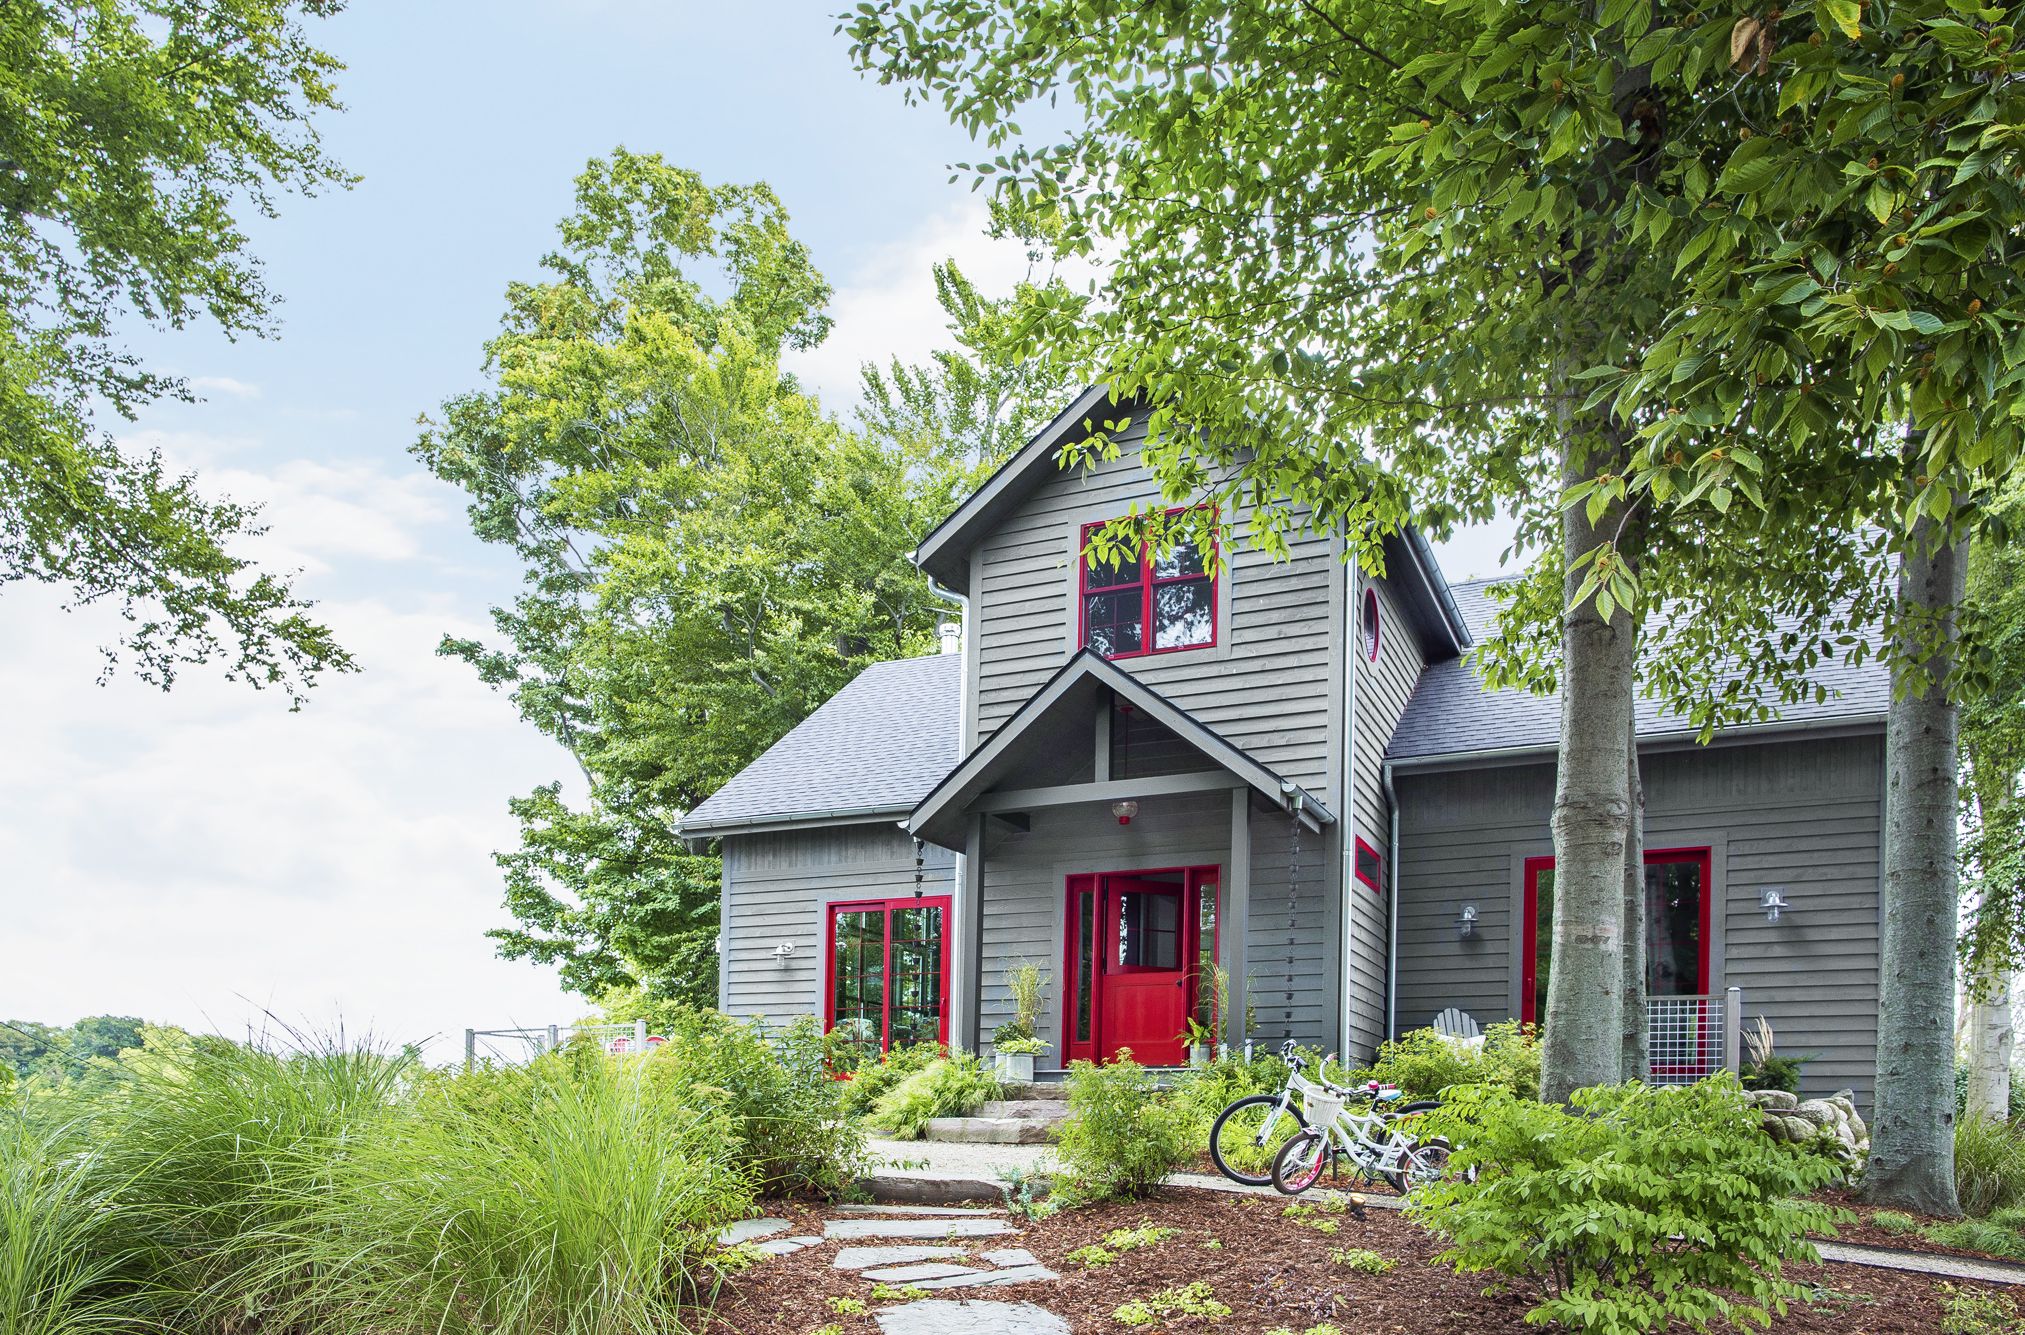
(1268, 685)
(776, 889)
(1292, 943)
(1804, 814)
(1383, 688)
(1026, 882)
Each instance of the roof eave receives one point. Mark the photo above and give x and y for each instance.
(792, 820)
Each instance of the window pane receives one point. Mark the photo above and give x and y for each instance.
(1184, 562)
(1673, 928)
(1543, 941)
(1149, 931)
(1121, 569)
(917, 975)
(1181, 614)
(1205, 957)
(858, 969)
(1112, 621)
(1086, 961)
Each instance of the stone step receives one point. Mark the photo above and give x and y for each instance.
(1052, 1091)
(991, 1130)
(1039, 1110)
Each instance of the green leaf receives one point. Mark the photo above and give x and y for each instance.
(1844, 14)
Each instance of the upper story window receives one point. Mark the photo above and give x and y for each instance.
(1369, 627)
(1153, 605)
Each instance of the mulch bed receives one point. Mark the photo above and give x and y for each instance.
(1860, 1229)
(1273, 1271)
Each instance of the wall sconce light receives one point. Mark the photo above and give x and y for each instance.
(784, 952)
(1466, 921)
(1125, 811)
(1772, 899)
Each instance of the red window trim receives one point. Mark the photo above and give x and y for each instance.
(1530, 927)
(1195, 880)
(887, 906)
(1376, 887)
(1377, 624)
(1146, 583)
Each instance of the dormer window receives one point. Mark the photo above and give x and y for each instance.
(1153, 605)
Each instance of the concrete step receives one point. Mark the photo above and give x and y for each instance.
(991, 1130)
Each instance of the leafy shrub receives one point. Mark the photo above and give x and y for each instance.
(1635, 1207)
(774, 1088)
(951, 1086)
(1197, 1300)
(1204, 1091)
(873, 1079)
(1764, 1068)
(1975, 1312)
(1989, 1164)
(1423, 1063)
(570, 1195)
(1120, 1138)
(1363, 1260)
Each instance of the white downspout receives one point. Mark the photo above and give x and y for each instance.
(1346, 822)
(1392, 903)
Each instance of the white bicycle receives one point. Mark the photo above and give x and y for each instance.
(1365, 1136)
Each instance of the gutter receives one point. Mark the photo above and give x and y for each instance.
(1679, 737)
(1392, 916)
(826, 816)
(1423, 561)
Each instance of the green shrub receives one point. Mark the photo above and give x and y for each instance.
(1363, 1260)
(1635, 1207)
(68, 1242)
(776, 1090)
(1120, 1138)
(1974, 1312)
(1204, 1091)
(1895, 1222)
(1423, 1063)
(1989, 1164)
(873, 1079)
(951, 1086)
(572, 1195)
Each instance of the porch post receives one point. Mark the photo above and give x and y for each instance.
(1236, 914)
(967, 949)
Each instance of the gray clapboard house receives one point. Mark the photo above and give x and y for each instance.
(1284, 767)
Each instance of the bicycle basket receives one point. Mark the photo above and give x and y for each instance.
(1323, 1108)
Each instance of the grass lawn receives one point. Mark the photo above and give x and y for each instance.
(1273, 1271)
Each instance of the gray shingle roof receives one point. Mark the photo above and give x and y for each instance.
(1451, 710)
(876, 746)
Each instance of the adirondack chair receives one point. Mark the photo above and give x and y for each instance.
(1457, 1024)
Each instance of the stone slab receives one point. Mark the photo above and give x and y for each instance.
(915, 1210)
(984, 1279)
(854, 1229)
(784, 1246)
(858, 1258)
(989, 1130)
(751, 1230)
(932, 1316)
(1011, 1256)
(914, 1274)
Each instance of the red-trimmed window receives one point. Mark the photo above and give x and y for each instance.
(1154, 605)
(1368, 868)
(1371, 628)
(886, 982)
(1678, 900)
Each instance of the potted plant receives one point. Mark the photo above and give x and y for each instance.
(1017, 1042)
(1199, 1033)
(1200, 1040)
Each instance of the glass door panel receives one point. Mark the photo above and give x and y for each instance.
(889, 967)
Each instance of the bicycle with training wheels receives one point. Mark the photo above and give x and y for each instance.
(1370, 1139)
(1248, 1133)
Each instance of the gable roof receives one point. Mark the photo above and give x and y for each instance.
(1453, 714)
(870, 751)
(945, 553)
(1078, 687)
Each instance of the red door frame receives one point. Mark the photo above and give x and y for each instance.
(887, 907)
(1193, 880)
(1530, 925)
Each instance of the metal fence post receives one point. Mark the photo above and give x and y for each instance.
(639, 1036)
(470, 1049)
(1733, 1029)
(554, 1038)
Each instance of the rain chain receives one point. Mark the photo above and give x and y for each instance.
(1293, 907)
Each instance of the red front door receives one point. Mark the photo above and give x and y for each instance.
(1145, 970)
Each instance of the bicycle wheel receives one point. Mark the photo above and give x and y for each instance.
(1248, 1134)
(1300, 1162)
(1428, 1163)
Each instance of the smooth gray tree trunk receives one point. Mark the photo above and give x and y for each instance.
(1912, 1135)
(1990, 1044)
(1582, 1038)
(1635, 1035)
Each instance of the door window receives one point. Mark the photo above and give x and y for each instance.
(888, 973)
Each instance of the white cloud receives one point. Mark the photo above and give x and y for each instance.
(210, 385)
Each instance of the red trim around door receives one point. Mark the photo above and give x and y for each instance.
(1529, 954)
(886, 907)
(1085, 938)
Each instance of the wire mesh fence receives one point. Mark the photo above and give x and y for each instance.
(1689, 1038)
(511, 1047)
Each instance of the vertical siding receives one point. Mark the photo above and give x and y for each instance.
(776, 888)
(1383, 688)
(1026, 881)
(1265, 686)
(1802, 814)
(1291, 943)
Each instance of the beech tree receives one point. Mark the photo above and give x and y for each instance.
(134, 134)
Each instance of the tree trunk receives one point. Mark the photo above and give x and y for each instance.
(1912, 1136)
(1990, 1042)
(1635, 1036)
(1582, 1039)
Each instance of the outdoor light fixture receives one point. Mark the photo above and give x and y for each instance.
(784, 951)
(1772, 899)
(1466, 921)
(1125, 811)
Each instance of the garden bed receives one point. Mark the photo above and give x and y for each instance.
(1272, 1271)
(1863, 1228)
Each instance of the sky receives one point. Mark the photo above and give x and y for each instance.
(208, 858)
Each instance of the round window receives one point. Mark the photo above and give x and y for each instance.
(1370, 625)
